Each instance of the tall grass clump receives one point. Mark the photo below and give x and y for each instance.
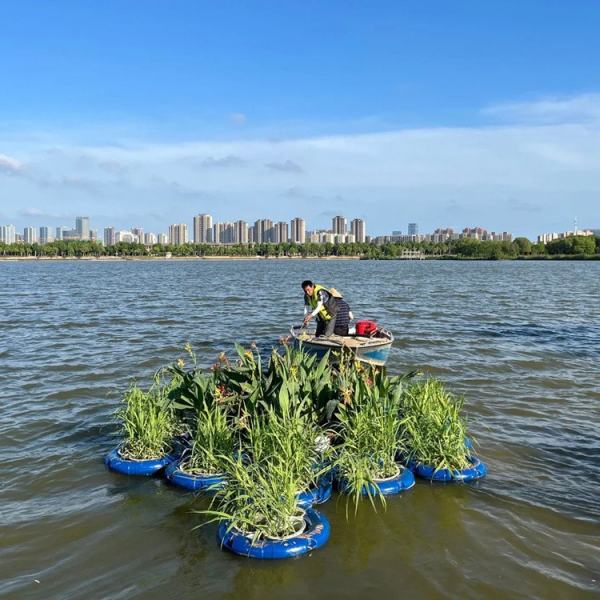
(369, 428)
(259, 499)
(286, 437)
(278, 460)
(212, 437)
(434, 430)
(147, 423)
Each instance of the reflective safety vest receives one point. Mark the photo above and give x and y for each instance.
(328, 308)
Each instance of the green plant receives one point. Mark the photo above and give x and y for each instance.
(369, 428)
(278, 460)
(286, 437)
(259, 498)
(212, 438)
(434, 431)
(147, 423)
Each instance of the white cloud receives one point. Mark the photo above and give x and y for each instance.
(10, 165)
(572, 109)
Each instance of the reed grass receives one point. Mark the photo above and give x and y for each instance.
(370, 430)
(434, 430)
(147, 423)
(212, 438)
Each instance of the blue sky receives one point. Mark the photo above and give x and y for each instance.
(448, 114)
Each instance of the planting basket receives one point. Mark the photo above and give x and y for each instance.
(477, 470)
(188, 481)
(317, 495)
(386, 487)
(115, 462)
(314, 536)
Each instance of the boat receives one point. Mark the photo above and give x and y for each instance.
(373, 350)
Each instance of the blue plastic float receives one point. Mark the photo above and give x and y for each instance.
(175, 475)
(314, 536)
(477, 470)
(115, 462)
(386, 487)
(318, 494)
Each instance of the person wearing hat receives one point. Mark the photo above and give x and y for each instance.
(328, 307)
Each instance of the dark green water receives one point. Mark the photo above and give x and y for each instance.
(520, 340)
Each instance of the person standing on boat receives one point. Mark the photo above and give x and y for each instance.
(328, 307)
(319, 303)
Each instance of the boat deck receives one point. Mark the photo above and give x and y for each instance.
(337, 341)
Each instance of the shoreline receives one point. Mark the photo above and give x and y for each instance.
(171, 258)
(526, 258)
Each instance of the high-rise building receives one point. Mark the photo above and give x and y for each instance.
(58, 233)
(359, 230)
(339, 225)
(241, 232)
(251, 237)
(8, 234)
(93, 235)
(30, 235)
(163, 239)
(297, 231)
(262, 231)
(139, 233)
(413, 229)
(150, 239)
(203, 224)
(82, 225)
(218, 229)
(281, 232)
(109, 236)
(178, 234)
(45, 235)
(227, 232)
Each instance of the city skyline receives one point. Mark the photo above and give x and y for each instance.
(206, 230)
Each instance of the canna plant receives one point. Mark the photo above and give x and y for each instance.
(147, 423)
(434, 430)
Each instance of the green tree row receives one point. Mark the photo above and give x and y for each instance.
(463, 248)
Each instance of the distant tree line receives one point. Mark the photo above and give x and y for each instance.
(580, 246)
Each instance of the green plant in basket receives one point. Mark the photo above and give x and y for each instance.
(287, 437)
(259, 498)
(369, 427)
(434, 430)
(212, 437)
(147, 423)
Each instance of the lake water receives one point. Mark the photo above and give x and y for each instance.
(520, 340)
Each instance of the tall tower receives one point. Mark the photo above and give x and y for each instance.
(359, 230)
(202, 226)
(178, 234)
(339, 225)
(298, 231)
(82, 226)
(109, 236)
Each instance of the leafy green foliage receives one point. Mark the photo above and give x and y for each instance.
(212, 439)
(147, 422)
(434, 431)
(370, 431)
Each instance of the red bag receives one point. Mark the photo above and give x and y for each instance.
(366, 328)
